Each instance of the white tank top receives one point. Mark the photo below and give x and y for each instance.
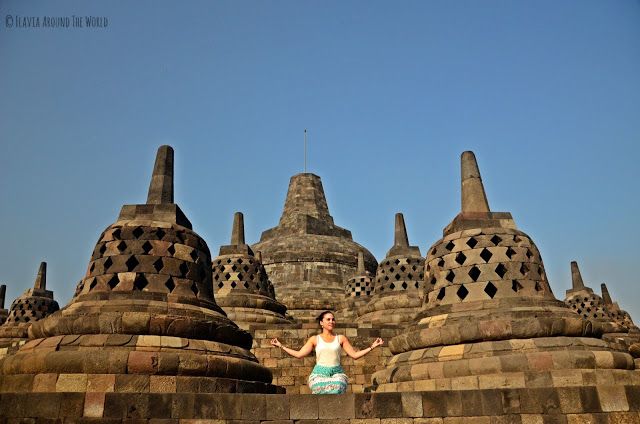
(328, 354)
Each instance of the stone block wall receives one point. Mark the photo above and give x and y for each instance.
(568, 405)
(291, 373)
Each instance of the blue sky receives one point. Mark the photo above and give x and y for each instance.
(546, 93)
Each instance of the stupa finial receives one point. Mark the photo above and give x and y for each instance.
(41, 278)
(361, 270)
(400, 232)
(3, 292)
(237, 234)
(474, 198)
(606, 297)
(576, 277)
(161, 186)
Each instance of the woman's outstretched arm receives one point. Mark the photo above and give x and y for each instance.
(304, 350)
(346, 345)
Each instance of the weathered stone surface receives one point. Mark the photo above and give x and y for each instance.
(307, 257)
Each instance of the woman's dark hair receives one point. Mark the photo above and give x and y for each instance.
(320, 317)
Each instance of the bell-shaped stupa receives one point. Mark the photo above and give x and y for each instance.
(241, 285)
(490, 319)
(4, 313)
(144, 316)
(33, 305)
(308, 257)
(398, 288)
(588, 304)
(357, 291)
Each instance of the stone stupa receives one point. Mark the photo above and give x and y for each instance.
(33, 305)
(398, 288)
(242, 287)
(143, 319)
(307, 257)
(357, 291)
(589, 305)
(490, 319)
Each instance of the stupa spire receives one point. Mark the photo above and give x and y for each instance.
(41, 279)
(360, 270)
(237, 234)
(400, 232)
(474, 198)
(576, 277)
(605, 294)
(161, 186)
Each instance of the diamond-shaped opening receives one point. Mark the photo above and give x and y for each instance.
(194, 288)
(240, 276)
(539, 287)
(160, 233)
(474, 273)
(137, 232)
(147, 247)
(233, 284)
(529, 254)
(93, 284)
(392, 286)
(184, 269)
(414, 267)
(113, 282)
(386, 278)
(404, 285)
(450, 246)
(460, 258)
(450, 276)
(524, 269)
(472, 242)
(501, 270)
(116, 233)
(103, 249)
(227, 276)
(122, 246)
(246, 284)
(403, 268)
(421, 276)
(158, 265)
(171, 250)
(170, 284)
(490, 289)
(140, 282)
(388, 263)
(92, 267)
(107, 264)
(245, 268)
(194, 254)
(239, 260)
(516, 286)
(216, 277)
(433, 281)
(391, 269)
(131, 263)
(510, 252)
(417, 284)
(517, 239)
(397, 261)
(462, 292)
(441, 263)
(496, 240)
(433, 251)
(251, 277)
(397, 276)
(234, 268)
(220, 285)
(228, 261)
(410, 277)
(486, 255)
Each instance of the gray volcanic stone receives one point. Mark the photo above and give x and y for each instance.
(145, 307)
(308, 257)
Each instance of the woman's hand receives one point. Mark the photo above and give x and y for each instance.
(276, 343)
(377, 342)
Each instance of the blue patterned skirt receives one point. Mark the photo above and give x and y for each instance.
(327, 380)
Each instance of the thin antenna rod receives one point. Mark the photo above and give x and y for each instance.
(305, 150)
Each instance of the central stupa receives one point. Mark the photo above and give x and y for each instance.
(308, 257)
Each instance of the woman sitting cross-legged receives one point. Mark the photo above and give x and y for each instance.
(327, 376)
